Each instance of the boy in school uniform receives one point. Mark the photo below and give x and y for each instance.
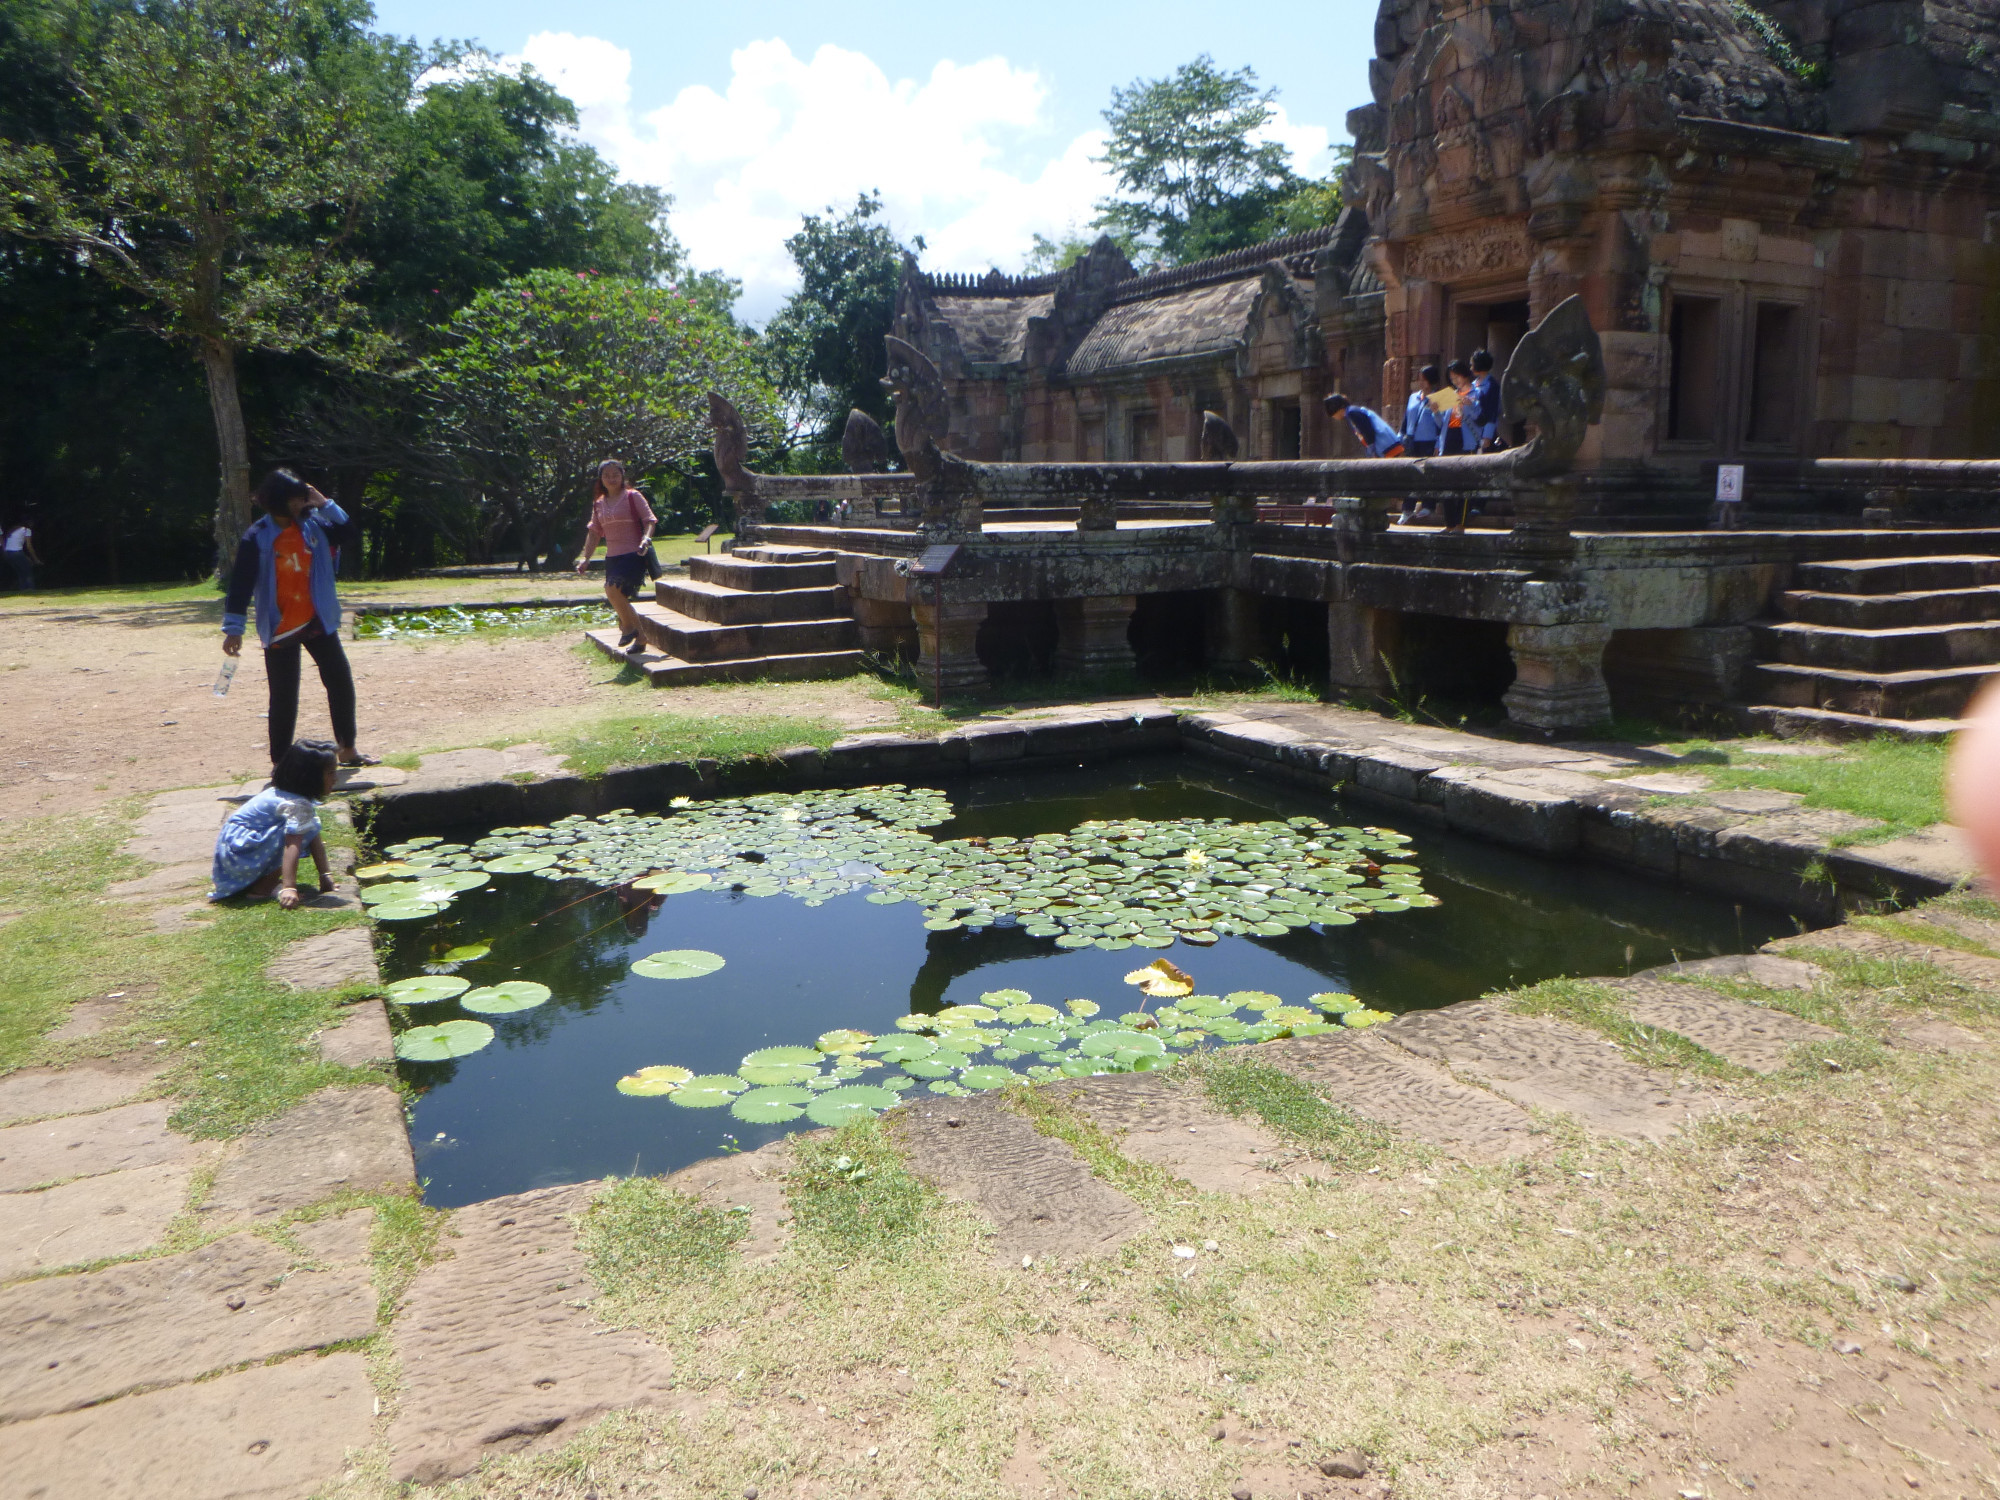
(1377, 436)
(1485, 393)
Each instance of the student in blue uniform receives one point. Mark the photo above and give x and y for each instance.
(1377, 436)
(1485, 393)
(1421, 424)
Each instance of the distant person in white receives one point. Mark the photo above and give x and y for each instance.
(19, 548)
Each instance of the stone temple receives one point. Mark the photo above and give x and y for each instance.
(1692, 233)
(1785, 228)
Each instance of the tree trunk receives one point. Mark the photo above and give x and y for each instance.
(232, 506)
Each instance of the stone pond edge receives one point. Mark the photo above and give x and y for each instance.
(1701, 848)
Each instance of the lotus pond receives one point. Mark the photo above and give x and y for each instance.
(634, 992)
(449, 620)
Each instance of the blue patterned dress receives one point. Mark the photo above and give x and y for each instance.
(252, 840)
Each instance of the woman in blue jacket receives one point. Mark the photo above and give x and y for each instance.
(286, 563)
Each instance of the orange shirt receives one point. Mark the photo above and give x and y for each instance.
(292, 563)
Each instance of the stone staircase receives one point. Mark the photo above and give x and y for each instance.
(755, 612)
(1896, 645)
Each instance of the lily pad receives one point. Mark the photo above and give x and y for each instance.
(1109, 1043)
(403, 911)
(809, 1056)
(987, 1076)
(998, 998)
(902, 1049)
(673, 882)
(679, 963)
(1081, 1007)
(650, 1083)
(427, 988)
(384, 870)
(850, 1102)
(467, 953)
(501, 999)
(771, 1106)
(844, 1040)
(520, 864)
(777, 1074)
(444, 1042)
(932, 1067)
(966, 1015)
(708, 1091)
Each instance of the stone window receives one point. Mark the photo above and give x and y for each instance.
(1145, 431)
(1695, 349)
(1774, 373)
(1090, 435)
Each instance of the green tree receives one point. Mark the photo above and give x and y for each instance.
(825, 344)
(537, 380)
(1194, 182)
(221, 155)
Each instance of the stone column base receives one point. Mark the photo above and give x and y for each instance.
(1093, 636)
(885, 626)
(953, 635)
(1558, 676)
(1363, 643)
(1234, 638)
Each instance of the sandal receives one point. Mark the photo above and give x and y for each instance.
(361, 760)
(627, 642)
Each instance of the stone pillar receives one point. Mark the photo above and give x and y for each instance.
(1093, 636)
(1363, 643)
(1558, 676)
(885, 626)
(1234, 637)
(953, 635)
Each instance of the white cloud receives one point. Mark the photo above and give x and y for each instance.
(965, 158)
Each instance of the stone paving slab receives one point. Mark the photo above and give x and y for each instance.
(331, 961)
(1544, 1064)
(499, 1351)
(361, 1038)
(339, 1140)
(1040, 1196)
(274, 1432)
(1385, 1084)
(112, 1140)
(1859, 941)
(121, 1213)
(751, 1179)
(194, 874)
(1751, 1036)
(1767, 969)
(97, 1083)
(1171, 1126)
(71, 1341)
(178, 828)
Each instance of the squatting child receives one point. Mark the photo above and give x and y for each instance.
(257, 851)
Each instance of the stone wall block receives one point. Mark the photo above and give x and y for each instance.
(1545, 822)
(1394, 773)
(865, 757)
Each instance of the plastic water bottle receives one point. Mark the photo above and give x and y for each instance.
(226, 676)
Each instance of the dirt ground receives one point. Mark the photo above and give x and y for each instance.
(66, 746)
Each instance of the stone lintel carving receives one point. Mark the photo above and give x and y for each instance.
(864, 447)
(1478, 250)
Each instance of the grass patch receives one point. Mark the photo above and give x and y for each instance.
(852, 1196)
(1045, 1109)
(643, 738)
(1592, 1006)
(1903, 983)
(640, 1235)
(1296, 1110)
(406, 1239)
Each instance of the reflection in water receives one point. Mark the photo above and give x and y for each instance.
(538, 1106)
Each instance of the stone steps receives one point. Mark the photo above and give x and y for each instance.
(691, 640)
(663, 670)
(1903, 640)
(1932, 694)
(721, 605)
(1891, 611)
(1902, 649)
(756, 575)
(1830, 724)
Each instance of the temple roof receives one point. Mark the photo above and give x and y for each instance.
(992, 330)
(1204, 319)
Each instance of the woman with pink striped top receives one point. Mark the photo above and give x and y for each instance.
(624, 522)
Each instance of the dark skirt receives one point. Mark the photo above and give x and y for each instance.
(626, 574)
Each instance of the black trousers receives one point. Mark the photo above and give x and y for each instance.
(281, 669)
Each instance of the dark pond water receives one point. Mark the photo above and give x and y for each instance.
(538, 1107)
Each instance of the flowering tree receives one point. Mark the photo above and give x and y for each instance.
(537, 380)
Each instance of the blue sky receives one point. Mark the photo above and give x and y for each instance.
(976, 123)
